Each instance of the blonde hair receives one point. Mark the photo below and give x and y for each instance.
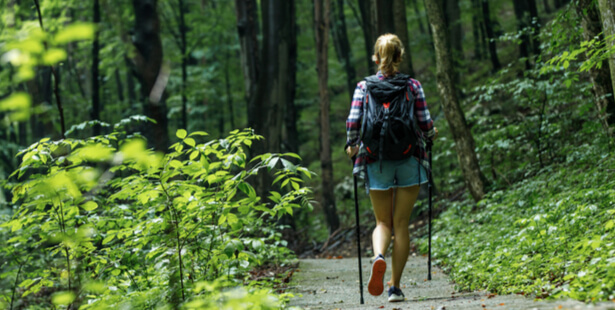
(388, 53)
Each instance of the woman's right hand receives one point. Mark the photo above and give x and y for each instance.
(351, 150)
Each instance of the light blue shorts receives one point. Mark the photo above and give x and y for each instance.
(395, 173)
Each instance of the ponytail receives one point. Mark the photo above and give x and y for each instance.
(388, 53)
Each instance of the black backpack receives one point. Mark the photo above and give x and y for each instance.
(388, 129)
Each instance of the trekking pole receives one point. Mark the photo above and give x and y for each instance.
(356, 209)
(429, 143)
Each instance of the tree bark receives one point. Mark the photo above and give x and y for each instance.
(290, 119)
(453, 21)
(600, 76)
(341, 44)
(546, 5)
(476, 29)
(321, 23)
(268, 104)
(493, 53)
(56, 78)
(369, 29)
(534, 22)
(464, 142)
(130, 83)
(415, 6)
(184, 50)
(148, 65)
(607, 12)
(520, 7)
(229, 92)
(95, 73)
(247, 28)
(384, 18)
(401, 30)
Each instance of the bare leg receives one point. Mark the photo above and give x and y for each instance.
(405, 197)
(382, 202)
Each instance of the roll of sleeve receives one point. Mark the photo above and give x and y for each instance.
(422, 112)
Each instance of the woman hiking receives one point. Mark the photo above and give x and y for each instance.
(393, 184)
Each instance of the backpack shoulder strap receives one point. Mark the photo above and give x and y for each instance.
(372, 79)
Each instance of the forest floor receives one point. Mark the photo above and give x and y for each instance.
(334, 284)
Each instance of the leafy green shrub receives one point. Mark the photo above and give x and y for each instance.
(549, 235)
(103, 222)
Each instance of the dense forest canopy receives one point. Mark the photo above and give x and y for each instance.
(161, 153)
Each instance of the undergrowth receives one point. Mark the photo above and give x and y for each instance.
(550, 235)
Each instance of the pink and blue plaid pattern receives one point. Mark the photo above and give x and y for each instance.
(355, 117)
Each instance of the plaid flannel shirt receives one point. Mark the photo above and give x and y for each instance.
(355, 118)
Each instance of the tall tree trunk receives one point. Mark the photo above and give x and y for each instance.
(384, 18)
(401, 30)
(272, 91)
(378, 19)
(495, 61)
(476, 29)
(56, 78)
(184, 50)
(521, 9)
(95, 74)
(119, 86)
(607, 12)
(464, 142)
(452, 14)
(341, 44)
(534, 22)
(148, 65)
(130, 83)
(290, 119)
(247, 28)
(600, 76)
(229, 92)
(415, 6)
(321, 23)
(369, 29)
(545, 3)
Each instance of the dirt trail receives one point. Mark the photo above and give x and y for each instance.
(334, 284)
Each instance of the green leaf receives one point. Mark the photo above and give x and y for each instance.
(108, 239)
(54, 56)
(222, 219)
(63, 298)
(75, 32)
(18, 104)
(199, 133)
(181, 133)
(232, 219)
(194, 155)
(271, 164)
(89, 206)
(609, 225)
(190, 142)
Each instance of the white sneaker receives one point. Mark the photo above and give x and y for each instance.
(395, 294)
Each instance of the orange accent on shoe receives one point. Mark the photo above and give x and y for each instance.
(386, 105)
(375, 285)
(368, 150)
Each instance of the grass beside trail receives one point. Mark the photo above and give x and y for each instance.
(550, 235)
